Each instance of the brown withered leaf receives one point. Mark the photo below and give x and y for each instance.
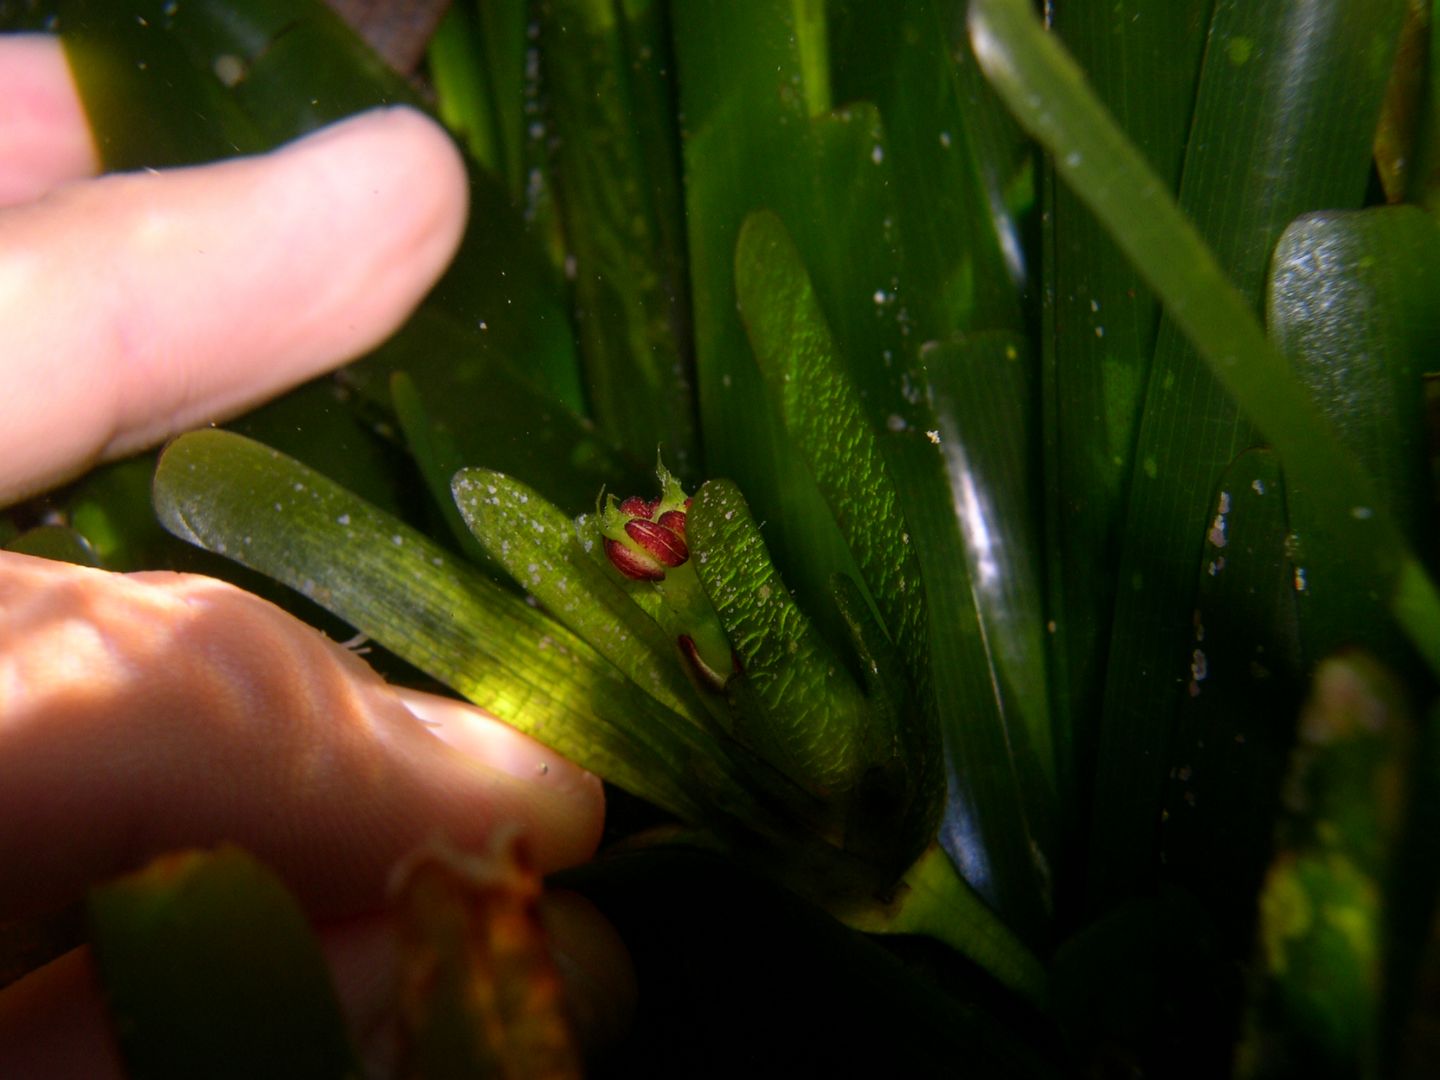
(479, 993)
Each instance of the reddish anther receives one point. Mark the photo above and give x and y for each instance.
(637, 507)
(707, 676)
(665, 545)
(674, 520)
(636, 565)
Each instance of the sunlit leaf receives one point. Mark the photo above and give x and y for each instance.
(241, 500)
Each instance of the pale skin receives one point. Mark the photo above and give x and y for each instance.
(146, 712)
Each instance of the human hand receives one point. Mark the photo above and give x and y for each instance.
(145, 712)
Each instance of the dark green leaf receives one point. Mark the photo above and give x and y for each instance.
(1352, 305)
(211, 969)
(55, 542)
(1190, 428)
(618, 192)
(1233, 733)
(969, 518)
(1099, 335)
(901, 58)
(1318, 1009)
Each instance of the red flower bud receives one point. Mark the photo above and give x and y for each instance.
(637, 507)
(665, 545)
(636, 565)
(674, 520)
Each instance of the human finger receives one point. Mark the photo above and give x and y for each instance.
(44, 138)
(144, 713)
(138, 305)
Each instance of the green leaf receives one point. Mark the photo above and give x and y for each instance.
(618, 193)
(1318, 1009)
(167, 84)
(1236, 723)
(477, 62)
(812, 722)
(821, 411)
(54, 542)
(211, 969)
(491, 412)
(822, 414)
(752, 97)
(1189, 430)
(970, 520)
(537, 545)
(1352, 304)
(268, 512)
(901, 58)
(437, 456)
(1098, 335)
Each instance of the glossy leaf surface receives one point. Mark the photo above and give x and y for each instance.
(1353, 305)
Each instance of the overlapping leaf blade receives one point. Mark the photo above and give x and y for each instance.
(1046, 91)
(244, 501)
(615, 176)
(1099, 335)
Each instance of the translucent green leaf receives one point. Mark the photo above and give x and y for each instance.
(210, 969)
(268, 512)
(537, 545)
(54, 542)
(477, 62)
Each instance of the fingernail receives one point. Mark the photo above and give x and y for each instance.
(476, 733)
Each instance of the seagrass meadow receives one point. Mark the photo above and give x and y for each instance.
(1021, 659)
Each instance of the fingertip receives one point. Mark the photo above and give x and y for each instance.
(562, 805)
(44, 137)
(53, 1023)
(594, 963)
